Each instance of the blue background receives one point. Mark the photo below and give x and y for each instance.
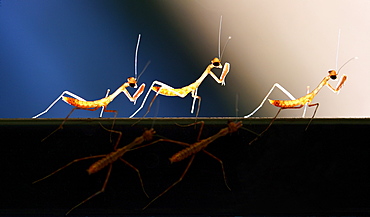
(88, 46)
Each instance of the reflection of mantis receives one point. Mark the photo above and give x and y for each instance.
(194, 148)
(107, 160)
(167, 90)
(305, 100)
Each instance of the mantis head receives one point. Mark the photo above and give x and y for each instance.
(132, 82)
(216, 63)
(333, 74)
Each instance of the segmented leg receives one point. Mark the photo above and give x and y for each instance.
(96, 193)
(314, 113)
(57, 99)
(65, 119)
(268, 94)
(147, 94)
(175, 183)
(272, 121)
(102, 108)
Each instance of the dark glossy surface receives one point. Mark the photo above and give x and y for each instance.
(324, 170)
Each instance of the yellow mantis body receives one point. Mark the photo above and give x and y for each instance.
(81, 103)
(166, 90)
(304, 100)
(163, 89)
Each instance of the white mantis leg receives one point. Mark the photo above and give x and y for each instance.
(225, 71)
(55, 101)
(147, 94)
(195, 96)
(102, 108)
(268, 94)
(305, 105)
(136, 94)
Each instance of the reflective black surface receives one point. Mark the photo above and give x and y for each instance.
(288, 171)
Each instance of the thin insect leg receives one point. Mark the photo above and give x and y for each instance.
(136, 95)
(70, 163)
(250, 131)
(305, 105)
(314, 113)
(195, 123)
(138, 173)
(195, 96)
(222, 167)
(200, 130)
(225, 71)
(147, 94)
(98, 192)
(65, 119)
(150, 105)
(175, 183)
(268, 94)
(339, 84)
(113, 131)
(272, 121)
(102, 109)
(57, 99)
(61, 125)
(114, 121)
(164, 140)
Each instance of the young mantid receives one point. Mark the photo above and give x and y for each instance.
(80, 103)
(107, 160)
(166, 90)
(305, 100)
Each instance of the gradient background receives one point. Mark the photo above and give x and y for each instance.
(87, 46)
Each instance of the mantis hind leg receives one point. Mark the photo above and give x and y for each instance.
(95, 194)
(57, 99)
(175, 183)
(272, 121)
(268, 94)
(314, 113)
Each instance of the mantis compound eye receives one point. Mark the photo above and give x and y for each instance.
(132, 84)
(333, 74)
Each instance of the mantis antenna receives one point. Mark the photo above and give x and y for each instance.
(219, 37)
(336, 58)
(237, 105)
(219, 41)
(136, 51)
(142, 71)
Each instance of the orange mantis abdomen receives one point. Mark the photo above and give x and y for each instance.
(86, 104)
(191, 150)
(109, 159)
(292, 103)
(172, 92)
